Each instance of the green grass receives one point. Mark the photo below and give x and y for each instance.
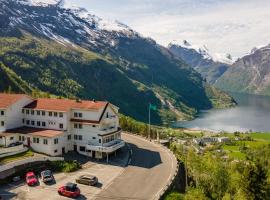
(234, 152)
(174, 195)
(65, 166)
(261, 136)
(19, 156)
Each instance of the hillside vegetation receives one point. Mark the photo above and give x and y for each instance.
(30, 64)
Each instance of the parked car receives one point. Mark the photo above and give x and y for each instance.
(46, 176)
(31, 179)
(87, 180)
(14, 144)
(69, 190)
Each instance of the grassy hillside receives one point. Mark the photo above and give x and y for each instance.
(30, 64)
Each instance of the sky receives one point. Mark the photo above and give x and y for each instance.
(224, 26)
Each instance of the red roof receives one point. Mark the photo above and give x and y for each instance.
(35, 131)
(65, 105)
(7, 100)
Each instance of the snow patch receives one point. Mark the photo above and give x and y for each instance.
(206, 53)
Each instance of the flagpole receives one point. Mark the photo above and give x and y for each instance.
(149, 125)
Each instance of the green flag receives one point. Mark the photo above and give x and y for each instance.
(152, 107)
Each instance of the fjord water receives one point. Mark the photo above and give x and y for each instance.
(252, 113)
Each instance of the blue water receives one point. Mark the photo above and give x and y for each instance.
(251, 114)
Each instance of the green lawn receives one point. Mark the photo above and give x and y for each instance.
(261, 136)
(234, 152)
(19, 156)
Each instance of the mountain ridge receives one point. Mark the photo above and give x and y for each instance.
(54, 49)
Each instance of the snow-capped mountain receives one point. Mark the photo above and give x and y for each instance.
(205, 52)
(52, 19)
(51, 47)
(210, 66)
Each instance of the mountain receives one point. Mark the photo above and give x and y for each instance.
(48, 47)
(250, 74)
(210, 66)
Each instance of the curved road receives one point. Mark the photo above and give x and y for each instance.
(150, 169)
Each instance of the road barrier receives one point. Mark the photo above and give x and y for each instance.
(24, 149)
(11, 165)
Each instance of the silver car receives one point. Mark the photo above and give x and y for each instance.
(87, 180)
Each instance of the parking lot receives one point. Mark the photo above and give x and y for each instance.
(106, 173)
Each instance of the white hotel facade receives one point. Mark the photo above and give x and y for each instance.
(57, 126)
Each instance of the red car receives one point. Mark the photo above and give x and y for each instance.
(31, 179)
(69, 190)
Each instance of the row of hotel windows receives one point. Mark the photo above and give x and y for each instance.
(43, 113)
(39, 123)
(45, 141)
(36, 140)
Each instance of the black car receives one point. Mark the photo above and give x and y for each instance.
(46, 176)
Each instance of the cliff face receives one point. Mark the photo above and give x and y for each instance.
(250, 74)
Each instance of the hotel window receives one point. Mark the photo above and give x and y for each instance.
(80, 115)
(75, 137)
(11, 138)
(21, 138)
(61, 115)
(22, 111)
(43, 113)
(2, 112)
(45, 141)
(2, 123)
(33, 123)
(55, 151)
(27, 112)
(69, 137)
(75, 125)
(93, 138)
(93, 126)
(43, 124)
(80, 126)
(55, 114)
(27, 122)
(82, 148)
(61, 126)
(99, 140)
(80, 137)
(50, 114)
(23, 121)
(56, 141)
(38, 123)
(35, 140)
(75, 114)
(38, 112)
(32, 112)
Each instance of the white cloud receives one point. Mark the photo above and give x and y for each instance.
(225, 26)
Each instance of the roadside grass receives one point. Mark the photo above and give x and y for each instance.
(174, 195)
(16, 157)
(65, 166)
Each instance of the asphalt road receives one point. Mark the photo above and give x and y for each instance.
(149, 171)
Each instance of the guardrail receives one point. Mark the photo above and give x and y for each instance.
(172, 178)
(24, 149)
(11, 149)
(28, 160)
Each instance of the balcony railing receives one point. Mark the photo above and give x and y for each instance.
(117, 144)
